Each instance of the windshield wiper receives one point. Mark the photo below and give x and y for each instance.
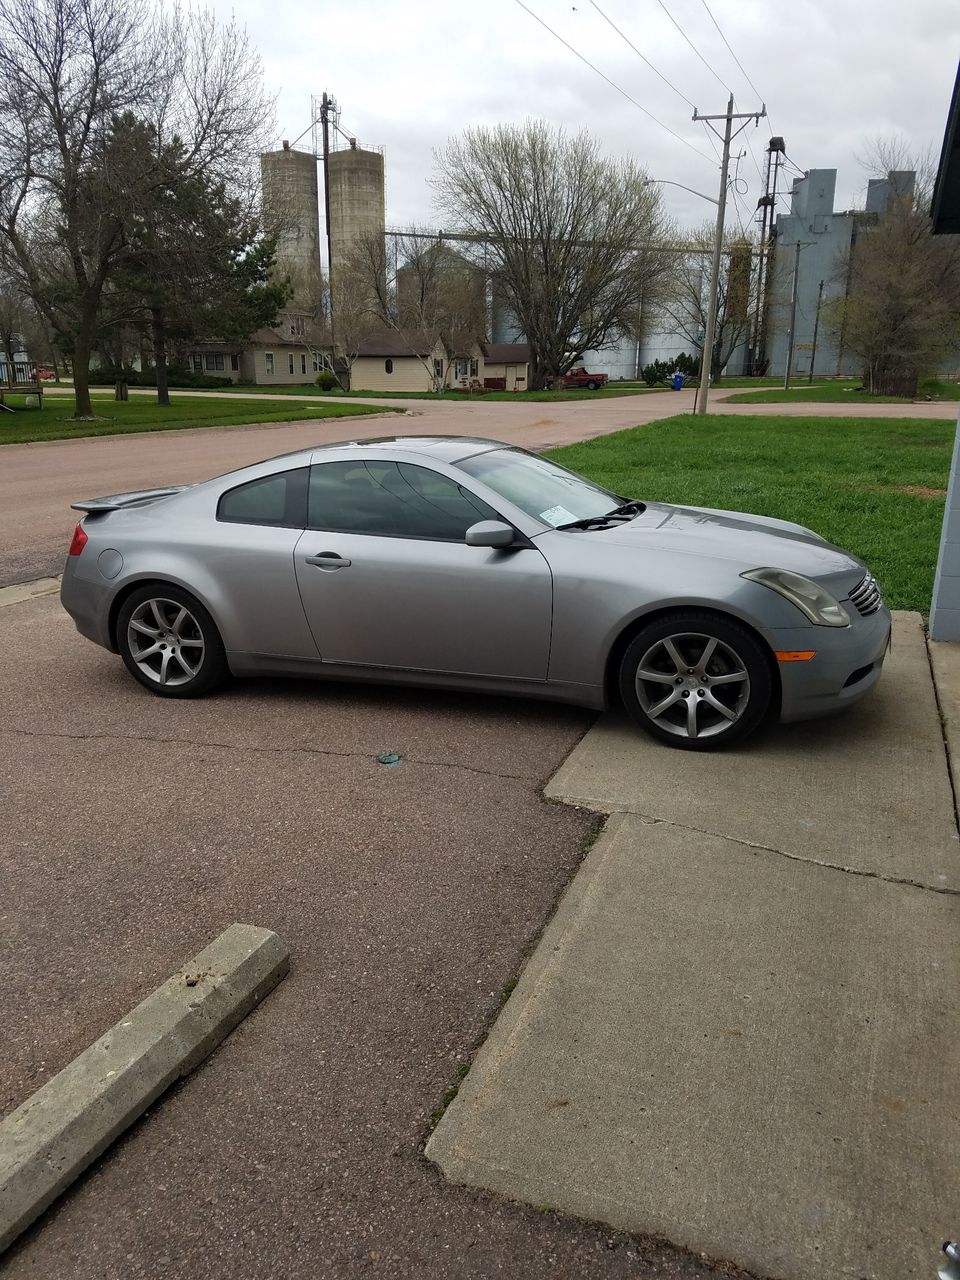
(632, 507)
(626, 511)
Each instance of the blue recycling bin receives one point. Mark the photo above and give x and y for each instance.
(677, 381)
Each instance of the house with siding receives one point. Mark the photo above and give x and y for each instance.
(288, 354)
(506, 366)
(400, 361)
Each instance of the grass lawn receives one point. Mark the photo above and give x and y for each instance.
(839, 392)
(873, 486)
(142, 414)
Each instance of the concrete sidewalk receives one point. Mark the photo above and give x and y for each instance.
(740, 1030)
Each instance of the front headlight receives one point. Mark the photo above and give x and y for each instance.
(817, 603)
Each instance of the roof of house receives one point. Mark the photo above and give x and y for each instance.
(411, 343)
(275, 338)
(507, 352)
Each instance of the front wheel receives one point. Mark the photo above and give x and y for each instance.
(696, 681)
(170, 643)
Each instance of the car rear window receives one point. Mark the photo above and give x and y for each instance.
(279, 500)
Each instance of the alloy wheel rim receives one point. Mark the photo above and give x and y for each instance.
(165, 641)
(692, 685)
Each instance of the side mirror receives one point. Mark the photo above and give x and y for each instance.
(490, 533)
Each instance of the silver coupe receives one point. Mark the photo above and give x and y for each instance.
(470, 564)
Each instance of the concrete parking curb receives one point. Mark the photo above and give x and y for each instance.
(48, 1141)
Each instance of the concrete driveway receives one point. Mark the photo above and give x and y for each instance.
(136, 829)
(740, 1030)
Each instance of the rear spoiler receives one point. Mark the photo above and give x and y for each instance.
(117, 501)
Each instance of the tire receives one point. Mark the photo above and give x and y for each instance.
(690, 703)
(592, 386)
(185, 660)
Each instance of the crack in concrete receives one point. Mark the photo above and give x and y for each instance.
(252, 747)
(799, 857)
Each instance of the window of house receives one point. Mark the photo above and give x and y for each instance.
(317, 366)
(438, 368)
(214, 360)
(388, 366)
(268, 361)
(235, 363)
(278, 500)
(474, 368)
(303, 362)
(391, 500)
(197, 362)
(290, 361)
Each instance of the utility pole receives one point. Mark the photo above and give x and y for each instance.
(710, 327)
(793, 313)
(816, 329)
(327, 105)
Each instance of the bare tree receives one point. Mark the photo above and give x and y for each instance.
(69, 71)
(901, 309)
(424, 291)
(893, 153)
(686, 300)
(11, 323)
(569, 236)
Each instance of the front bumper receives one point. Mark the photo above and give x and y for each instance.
(847, 665)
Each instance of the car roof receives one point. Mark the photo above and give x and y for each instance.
(444, 448)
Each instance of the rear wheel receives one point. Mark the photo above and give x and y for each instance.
(696, 681)
(170, 643)
(592, 386)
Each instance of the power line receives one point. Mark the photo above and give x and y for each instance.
(641, 56)
(732, 54)
(694, 47)
(614, 85)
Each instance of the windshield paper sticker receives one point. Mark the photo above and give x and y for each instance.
(557, 515)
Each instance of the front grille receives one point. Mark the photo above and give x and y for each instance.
(866, 597)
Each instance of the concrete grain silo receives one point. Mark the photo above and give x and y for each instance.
(356, 200)
(290, 201)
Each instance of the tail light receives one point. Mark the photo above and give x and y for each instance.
(79, 541)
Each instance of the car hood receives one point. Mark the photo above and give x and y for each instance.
(752, 542)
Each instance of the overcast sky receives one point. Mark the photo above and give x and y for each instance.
(409, 74)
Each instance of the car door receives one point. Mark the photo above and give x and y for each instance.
(249, 553)
(387, 579)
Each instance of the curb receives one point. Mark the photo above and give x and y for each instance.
(22, 591)
(48, 1141)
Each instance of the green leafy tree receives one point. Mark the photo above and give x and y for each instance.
(197, 264)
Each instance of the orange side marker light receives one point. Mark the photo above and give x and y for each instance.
(795, 655)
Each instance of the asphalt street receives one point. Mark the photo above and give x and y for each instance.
(39, 481)
(138, 829)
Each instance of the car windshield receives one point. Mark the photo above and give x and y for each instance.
(540, 488)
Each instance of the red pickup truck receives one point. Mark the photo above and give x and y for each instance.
(577, 378)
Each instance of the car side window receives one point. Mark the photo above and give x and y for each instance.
(392, 500)
(279, 500)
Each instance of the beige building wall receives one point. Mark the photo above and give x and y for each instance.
(369, 373)
(255, 366)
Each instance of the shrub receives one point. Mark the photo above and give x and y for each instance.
(183, 379)
(327, 381)
(661, 371)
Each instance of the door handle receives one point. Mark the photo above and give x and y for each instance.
(329, 560)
